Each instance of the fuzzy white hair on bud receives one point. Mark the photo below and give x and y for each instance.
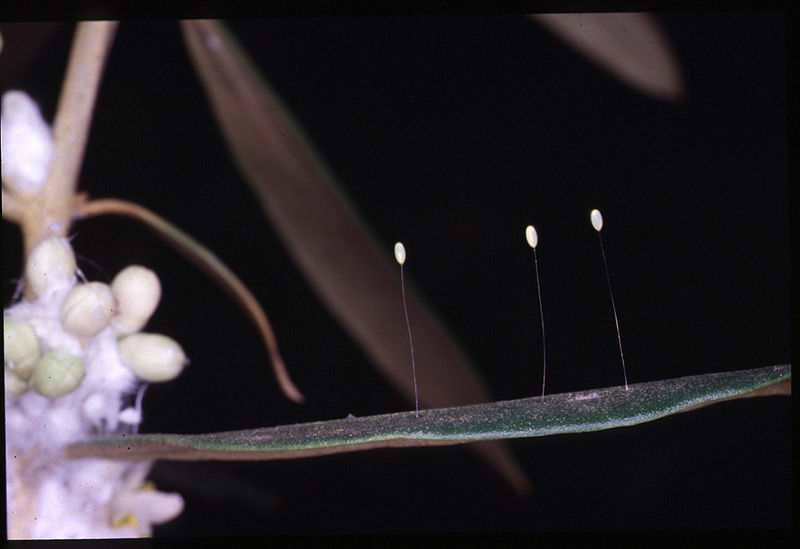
(27, 145)
(132, 415)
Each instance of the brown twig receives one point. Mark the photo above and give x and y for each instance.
(13, 208)
(208, 262)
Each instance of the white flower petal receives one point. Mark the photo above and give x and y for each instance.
(148, 507)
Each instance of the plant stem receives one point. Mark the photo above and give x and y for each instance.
(13, 208)
(49, 214)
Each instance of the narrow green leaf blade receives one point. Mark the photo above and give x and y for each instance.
(530, 417)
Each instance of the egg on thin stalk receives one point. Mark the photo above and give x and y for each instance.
(533, 240)
(597, 222)
(400, 256)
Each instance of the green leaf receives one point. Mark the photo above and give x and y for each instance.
(351, 273)
(529, 417)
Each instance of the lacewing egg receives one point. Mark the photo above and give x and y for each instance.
(400, 256)
(531, 236)
(400, 253)
(597, 220)
(533, 239)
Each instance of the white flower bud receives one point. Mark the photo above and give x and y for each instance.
(51, 261)
(152, 357)
(93, 407)
(87, 309)
(130, 416)
(27, 145)
(57, 373)
(145, 506)
(137, 291)
(20, 347)
(14, 384)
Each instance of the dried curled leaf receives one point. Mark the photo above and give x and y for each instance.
(211, 264)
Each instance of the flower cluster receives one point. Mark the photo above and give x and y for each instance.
(74, 359)
(72, 356)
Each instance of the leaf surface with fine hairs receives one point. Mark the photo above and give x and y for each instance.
(563, 413)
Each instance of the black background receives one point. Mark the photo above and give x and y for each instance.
(452, 134)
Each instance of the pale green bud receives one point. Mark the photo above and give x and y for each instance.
(87, 309)
(52, 260)
(152, 357)
(20, 347)
(57, 373)
(14, 384)
(137, 291)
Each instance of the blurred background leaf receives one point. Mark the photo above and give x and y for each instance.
(632, 46)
